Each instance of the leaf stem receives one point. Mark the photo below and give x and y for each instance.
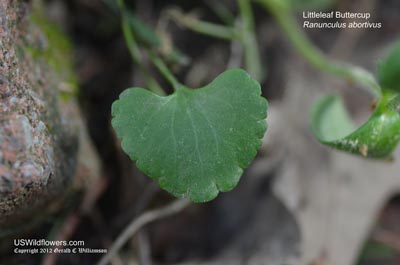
(203, 27)
(135, 52)
(224, 14)
(164, 70)
(246, 34)
(353, 74)
(249, 41)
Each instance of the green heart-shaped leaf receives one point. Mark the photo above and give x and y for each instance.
(377, 138)
(389, 70)
(194, 142)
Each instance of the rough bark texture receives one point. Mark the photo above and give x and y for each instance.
(39, 131)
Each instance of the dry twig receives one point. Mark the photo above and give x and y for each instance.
(139, 222)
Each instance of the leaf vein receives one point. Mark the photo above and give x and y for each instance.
(196, 138)
(210, 126)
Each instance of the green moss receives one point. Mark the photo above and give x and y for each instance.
(57, 52)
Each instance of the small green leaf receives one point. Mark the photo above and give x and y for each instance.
(389, 70)
(194, 142)
(330, 119)
(144, 33)
(377, 138)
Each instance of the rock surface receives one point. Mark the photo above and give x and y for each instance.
(39, 126)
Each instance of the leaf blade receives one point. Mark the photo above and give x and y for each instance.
(194, 142)
(389, 70)
(376, 138)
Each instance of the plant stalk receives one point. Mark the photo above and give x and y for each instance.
(139, 222)
(176, 85)
(305, 48)
(203, 27)
(135, 52)
(249, 41)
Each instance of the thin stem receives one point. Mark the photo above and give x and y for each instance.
(165, 71)
(249, 41)
(130, 41)
(206, 28)
(246, 34)
(138, 223)
(135, 51)
(121, 4)
(224, 14)
(285, 19)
